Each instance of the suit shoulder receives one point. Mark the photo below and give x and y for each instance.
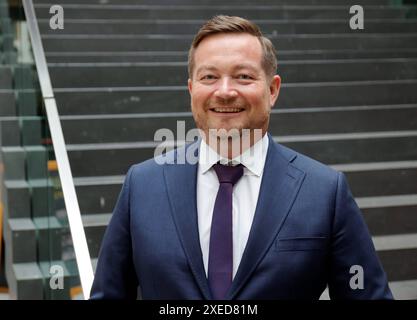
(146, 168)
(309, 166)
(154, 166)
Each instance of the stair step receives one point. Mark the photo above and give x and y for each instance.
(20, 237)
(98, 194)
(268, 27)
(390, 214)
(143, 127)
(181, 56)
(30, 281)
(213, 2)
(6, 80)
(171, 74)
(328, 148)
(121, 43)
(84, 129)
(73, 101)
(392, 242)
(331, 149)
(7, 103)
(17, 199)
(399, 264)
(25, 130)
(392, 249)
(253, 12)
(25, 281)
(401, 290)
(404, 290)
(388, 201)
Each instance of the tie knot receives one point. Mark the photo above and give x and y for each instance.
(228, 174)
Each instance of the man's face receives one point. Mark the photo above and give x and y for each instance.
(229, 88)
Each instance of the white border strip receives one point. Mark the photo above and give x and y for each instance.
(79, 240)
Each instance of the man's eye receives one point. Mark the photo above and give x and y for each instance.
(208, 77)
(244, 77)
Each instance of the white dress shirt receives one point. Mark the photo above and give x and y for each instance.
(245, 195)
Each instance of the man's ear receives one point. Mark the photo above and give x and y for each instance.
(274, 88)
(190, 86)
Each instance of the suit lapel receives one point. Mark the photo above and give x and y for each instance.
(181, 182)
(280, 184)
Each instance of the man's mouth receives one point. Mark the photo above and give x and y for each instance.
(227, 110)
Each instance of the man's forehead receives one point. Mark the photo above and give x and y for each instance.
(235, 46)
(229, 41)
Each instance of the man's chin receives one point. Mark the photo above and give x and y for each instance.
(225, 132)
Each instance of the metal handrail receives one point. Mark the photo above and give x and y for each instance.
(79, 240)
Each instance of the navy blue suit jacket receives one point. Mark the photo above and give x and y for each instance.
(307, 233)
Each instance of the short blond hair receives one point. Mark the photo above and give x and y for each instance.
(233, 24)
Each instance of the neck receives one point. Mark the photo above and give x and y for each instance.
(231, 147)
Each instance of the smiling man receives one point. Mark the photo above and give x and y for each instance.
(232, 84)
(256, 222)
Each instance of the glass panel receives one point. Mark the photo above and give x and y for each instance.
(39, 259)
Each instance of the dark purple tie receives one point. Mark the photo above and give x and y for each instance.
(220, 266)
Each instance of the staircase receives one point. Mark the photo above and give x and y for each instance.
(119, 73)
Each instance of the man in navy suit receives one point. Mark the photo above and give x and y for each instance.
(259, 221)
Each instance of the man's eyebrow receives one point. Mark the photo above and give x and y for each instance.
(246, 66)
(237, 67)
(206, 67)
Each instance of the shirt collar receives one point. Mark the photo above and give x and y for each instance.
(253, 159)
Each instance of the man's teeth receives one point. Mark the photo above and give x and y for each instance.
(227, 109)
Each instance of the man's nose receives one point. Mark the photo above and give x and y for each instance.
(226, 89)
